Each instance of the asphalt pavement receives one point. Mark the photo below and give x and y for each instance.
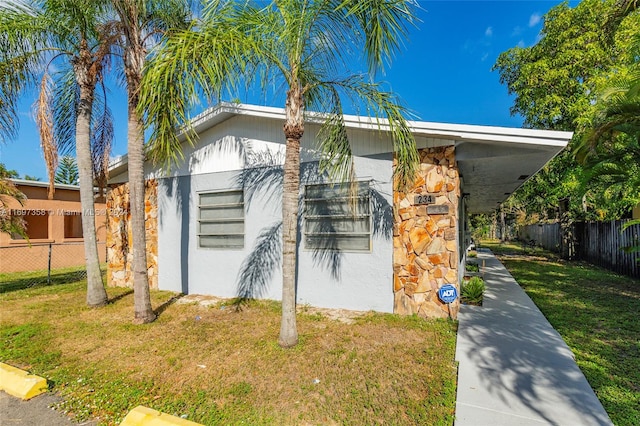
(34, 412)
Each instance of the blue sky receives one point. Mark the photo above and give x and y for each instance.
(443, 74)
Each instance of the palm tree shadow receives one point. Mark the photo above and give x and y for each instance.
(258, 268)
(160, 309)
(264, 176)
(114, 299)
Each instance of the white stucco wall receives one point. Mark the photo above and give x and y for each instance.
(227, 155)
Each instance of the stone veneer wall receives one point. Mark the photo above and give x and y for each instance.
(425, 255)
(119, 237)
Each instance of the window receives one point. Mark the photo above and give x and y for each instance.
(37, 224)
(337, 218)
(221, 220)
(72, 225)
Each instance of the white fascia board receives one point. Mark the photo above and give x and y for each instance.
(27, 182)
(467, 132)
(455, 132)
(118, 163)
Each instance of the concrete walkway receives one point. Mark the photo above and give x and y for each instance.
(514, 368)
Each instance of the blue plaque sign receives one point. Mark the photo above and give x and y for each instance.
(448, 293)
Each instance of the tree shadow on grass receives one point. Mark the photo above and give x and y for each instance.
(15, 282)
(163, 307)
(114, 299)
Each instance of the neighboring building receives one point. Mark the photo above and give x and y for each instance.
(213, 220)
(56, 223)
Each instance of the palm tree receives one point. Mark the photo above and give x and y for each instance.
(139, 22)
(61, 47)
(307, 48)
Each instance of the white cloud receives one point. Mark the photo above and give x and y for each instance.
(521, 44)
(534, 19)
(488, 32)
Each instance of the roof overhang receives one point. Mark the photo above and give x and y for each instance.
(493, 161)
(40, 184)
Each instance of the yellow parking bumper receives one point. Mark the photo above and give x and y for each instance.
(143, 416)
(19, 383)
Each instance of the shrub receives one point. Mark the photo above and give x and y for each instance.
(472, 267)
(472, 291)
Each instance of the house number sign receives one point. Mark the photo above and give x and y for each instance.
(424, 199)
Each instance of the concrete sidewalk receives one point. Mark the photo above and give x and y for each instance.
(514, 368)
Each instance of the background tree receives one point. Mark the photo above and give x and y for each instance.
(61, 47)
(307, 49)
(141, 23)
(67, 172)
(555, 83)
(8, 174)
(612, 147)
(9, 223)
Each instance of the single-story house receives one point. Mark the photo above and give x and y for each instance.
(213, 221)
(52, 225)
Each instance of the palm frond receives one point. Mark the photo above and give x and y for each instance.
(192, 64)
(384, 24)
(44, 116)
(65, 107)
(22, 40)
(102, 134)
(390, 116)
(335, 149)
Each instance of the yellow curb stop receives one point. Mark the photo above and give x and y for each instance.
(143, 416)
(19, 383)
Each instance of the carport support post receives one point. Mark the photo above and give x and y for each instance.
(425, 236)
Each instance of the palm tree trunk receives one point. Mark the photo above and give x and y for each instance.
(135, 147)
(293, 130)
(96, 293)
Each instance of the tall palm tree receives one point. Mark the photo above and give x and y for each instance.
(61, 47)
(140, 23)
(307, 48)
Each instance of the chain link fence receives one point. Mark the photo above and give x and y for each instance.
(24, 266)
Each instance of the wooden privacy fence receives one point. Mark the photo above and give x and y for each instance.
(548, 236)
(600, 243)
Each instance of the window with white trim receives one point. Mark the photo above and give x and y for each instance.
(221, 220)
(337, 218)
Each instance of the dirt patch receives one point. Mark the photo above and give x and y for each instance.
(341, 315)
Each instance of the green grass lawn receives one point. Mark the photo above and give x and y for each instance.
(217, 365)
(596, 312)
